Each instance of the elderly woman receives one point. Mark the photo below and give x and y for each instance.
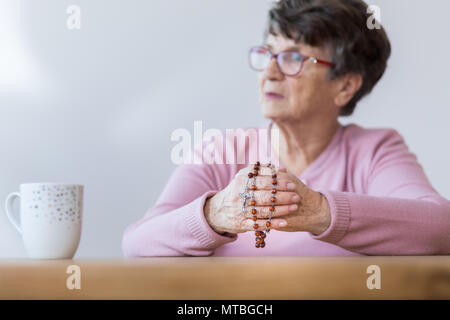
(340, 190)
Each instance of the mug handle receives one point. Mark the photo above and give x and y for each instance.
(9, 210)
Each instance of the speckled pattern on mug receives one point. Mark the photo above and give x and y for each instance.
(56, 203)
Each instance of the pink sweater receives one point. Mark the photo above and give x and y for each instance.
(380, 199)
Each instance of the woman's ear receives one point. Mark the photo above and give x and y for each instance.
(349, 85)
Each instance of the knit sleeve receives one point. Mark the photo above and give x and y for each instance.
(176, 225)
(400, 214)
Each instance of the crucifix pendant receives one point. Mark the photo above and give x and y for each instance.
(245, 196)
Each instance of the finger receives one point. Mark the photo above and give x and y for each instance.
(268, 182)
(285, 181)
(264, 212)
(244, 171)
(261, 225)
(290, 176)
(265, 198)
(263, 170)
(294, 181)
(282, 182)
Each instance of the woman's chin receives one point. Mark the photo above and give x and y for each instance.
(270, 110)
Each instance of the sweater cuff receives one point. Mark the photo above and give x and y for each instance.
(200, 228)
(340, 216)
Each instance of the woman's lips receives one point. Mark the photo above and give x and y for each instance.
(273, 95)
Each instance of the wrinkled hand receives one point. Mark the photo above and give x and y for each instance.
(223, 211)
(313, 214)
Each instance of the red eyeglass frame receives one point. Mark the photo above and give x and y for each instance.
(273, 55)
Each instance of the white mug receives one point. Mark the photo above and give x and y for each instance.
(50, 218)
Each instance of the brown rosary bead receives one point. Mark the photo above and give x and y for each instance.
(261, 235)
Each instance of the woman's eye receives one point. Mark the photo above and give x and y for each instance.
(296, 57)
(292, 58)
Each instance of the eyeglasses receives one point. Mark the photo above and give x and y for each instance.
(289, 62)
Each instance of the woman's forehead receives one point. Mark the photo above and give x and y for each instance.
(279, 43)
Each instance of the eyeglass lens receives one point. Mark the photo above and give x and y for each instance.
(289, 62)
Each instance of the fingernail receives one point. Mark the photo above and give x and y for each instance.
(295, 197)
(283, 224)
(293, 207)
(291, 186)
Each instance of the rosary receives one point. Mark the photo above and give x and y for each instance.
(260, 235)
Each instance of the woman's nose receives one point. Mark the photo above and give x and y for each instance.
(272, 72)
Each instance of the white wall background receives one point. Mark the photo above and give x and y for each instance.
(97, 106)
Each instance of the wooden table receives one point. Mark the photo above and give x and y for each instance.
(404, 277)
